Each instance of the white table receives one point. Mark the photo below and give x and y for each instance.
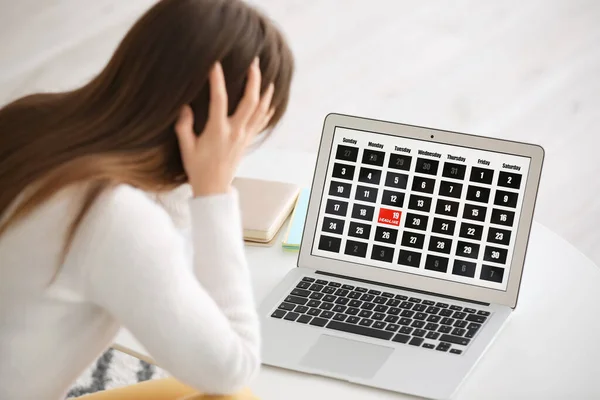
(550, 348)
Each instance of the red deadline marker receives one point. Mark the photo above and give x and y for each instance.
(390, 217)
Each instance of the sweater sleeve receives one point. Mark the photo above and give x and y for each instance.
(203, 331)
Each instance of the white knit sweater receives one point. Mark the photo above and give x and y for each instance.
(171, 269)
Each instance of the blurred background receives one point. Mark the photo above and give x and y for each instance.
(526, 70)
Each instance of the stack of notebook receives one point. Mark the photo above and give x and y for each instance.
(293, 236)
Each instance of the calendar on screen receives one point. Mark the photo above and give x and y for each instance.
(425, 208)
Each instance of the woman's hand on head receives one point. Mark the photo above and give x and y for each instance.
(211, 158)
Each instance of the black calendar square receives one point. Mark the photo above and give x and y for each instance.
(436, 263)
(409, 258)
(499, 236)
(399, 161)
(333, 225)
(467, 249)
(506, 199)
(456, 171)
(425, 185)
(450, 189)
(386, 235)
(329, 243)
(340, 189)
(426, 166)
(343, 171)
(416, 221)
(390, 198)
(360, 211)
(356, 249)
(477, 193)
(440, 245)
(395, 180)
(509, 180)
(471, 231)
(382, 253)
(347, 153)
(474, 212)
(365, 193)
(373, 157)
(464, 268)
(443, 226)
(447, 208)
(336, 207)
(495, 254)
(359, 230)
(412, 239)
(492, 274)
(369, 175)
(419, 203)
(482, 175)
(502, 217)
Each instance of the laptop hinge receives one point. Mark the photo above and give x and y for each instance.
(403, 288)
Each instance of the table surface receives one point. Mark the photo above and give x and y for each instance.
(548, 349)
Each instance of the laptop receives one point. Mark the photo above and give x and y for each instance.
(411, 257)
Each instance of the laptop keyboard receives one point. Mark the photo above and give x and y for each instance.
(383, 315)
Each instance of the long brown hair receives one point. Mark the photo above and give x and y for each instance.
(118, 128)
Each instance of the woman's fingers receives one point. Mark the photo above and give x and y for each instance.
(218, 105)
(251, 98)
(256, 123)
(184, 127)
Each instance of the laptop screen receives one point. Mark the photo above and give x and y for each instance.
(420, 207)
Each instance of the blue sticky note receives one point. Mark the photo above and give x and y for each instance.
(294, 235)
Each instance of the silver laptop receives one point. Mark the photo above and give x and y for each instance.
(411, 257)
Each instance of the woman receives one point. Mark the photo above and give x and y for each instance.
(93, 234)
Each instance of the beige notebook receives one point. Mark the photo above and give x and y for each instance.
(265, 205)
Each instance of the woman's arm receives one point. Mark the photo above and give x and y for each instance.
(206, 332)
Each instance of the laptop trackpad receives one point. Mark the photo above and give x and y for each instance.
(346, 357)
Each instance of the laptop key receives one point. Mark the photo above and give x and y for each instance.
(375, 292)
(391, 318)
(367, 306)
(342, 300)
(329, 298)
(459, 315)
(365, 313)
(417, 324)
(314, 312)
(381, 308)
(378, 316)
(420, 307)
(354, 303)
(406, 330)
(393, 302)
(380, 300)
(405, 321)
(303, 285)
(443, 347)
(304, 319)
(367, 297)
(428, 346)
(360, 330)
(352, 311)
(335, 284)
(327, 314)
(456, 308)
(469, 310)
(455, 340)
(328, 290)
(362, 289)
(379, 325)
(338, 309)
(455, 351)
(308, 279)
(432, 310)
(447, 321)
(316, 296)
(432, 327)
(414, 300)
(484, 313)
(442, 305)
(428, 302)
(400, 338)
(326, 306)
(291, 316)
(432, 335)
(460, 324)
(387, 294)
(458, 331)
(480, 319)
(340, 317)
(353, 320)
(416, 341)
(420, 316)
(313, 303)
(354, 295)
(419, 332)
(446, 313)
(301, 309)
(445, 329)
(342, 292)
(348, 287)
(318, 321)
(406, 305)
(392, 327)
(287, 306)
(394, 311)
(322, 282)
(278, 314)
(296, 300)
(434, 318)
(470, 333)
(366, 322)
(316, 287)
(401, 297)
(407, 313)
(474, 326)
